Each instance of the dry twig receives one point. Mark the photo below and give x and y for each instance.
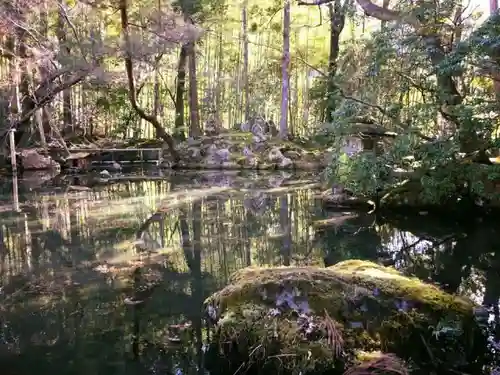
(334, 337)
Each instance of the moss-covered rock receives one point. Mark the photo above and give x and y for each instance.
(325, 320)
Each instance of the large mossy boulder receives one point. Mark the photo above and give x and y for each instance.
(310, 320)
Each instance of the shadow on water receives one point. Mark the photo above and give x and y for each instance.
(112, 279)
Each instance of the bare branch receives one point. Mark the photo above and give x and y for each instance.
(315, 2)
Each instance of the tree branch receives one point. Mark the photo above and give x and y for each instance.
(315, 2)
(131, 86)
(43, 95)
(384, 14)
(387, 114)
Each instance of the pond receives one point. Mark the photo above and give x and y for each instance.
(69, 255)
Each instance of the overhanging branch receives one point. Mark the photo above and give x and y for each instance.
(380, 109)
(131, 86)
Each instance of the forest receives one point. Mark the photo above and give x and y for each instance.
(295, 150)
(394, 102)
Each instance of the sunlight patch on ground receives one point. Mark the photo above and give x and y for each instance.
(126, 253)
(374, 272)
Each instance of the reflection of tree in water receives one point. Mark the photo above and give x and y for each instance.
(445, 254)
(62, 306)
(459, 257)
(355, 238)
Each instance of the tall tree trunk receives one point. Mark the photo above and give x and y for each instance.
(66, 51)
(129, 67)
(156, 93)
(337, 23)
(44, 70)
(194, 113)
(244, 24)
(10, 50)
(220, 85)
(285, 76)
(156, 84)
(25, 83)
(180, 88)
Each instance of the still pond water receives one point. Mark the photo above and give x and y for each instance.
(67, 261)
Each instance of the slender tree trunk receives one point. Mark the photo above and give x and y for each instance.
(64, 47)
(244, 24)
(156, 92)
(131, 86)
(220, 85)
(337, 22)
(25, 83)
(44, 71)
(237, 94)
(15, 105)
(156, 84)
(180, 88)
(194, 113)
(285, 77)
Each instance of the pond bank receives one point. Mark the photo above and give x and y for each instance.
(239, 151)
(229, 150)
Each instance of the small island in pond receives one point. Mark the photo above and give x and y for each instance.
(352, 318)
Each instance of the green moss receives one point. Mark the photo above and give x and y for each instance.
(363, 356)
(391, 282)
(364, 301)
(348, 278)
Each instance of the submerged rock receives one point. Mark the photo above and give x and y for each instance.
(313, 320)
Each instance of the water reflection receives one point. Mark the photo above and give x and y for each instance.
(113, 278)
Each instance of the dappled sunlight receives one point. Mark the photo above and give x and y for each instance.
(473, 286)
(376, 273)
(100, 228)
(100, 259)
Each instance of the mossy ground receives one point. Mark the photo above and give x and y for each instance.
(356, 307)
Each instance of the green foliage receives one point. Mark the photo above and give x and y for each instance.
(116, 101)
(199, 10)
(405, 85)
